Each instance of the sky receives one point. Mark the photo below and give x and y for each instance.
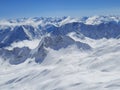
(57, 8)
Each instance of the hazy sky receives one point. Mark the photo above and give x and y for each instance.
(57, 8)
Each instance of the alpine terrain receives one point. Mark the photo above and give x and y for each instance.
(46, 53)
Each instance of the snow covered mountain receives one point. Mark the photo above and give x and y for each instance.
(60, 53)
(27, 29)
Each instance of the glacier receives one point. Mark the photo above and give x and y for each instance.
(46, 53)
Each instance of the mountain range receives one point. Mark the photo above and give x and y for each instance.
(46, 53)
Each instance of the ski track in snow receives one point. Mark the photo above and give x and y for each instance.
(67, 69)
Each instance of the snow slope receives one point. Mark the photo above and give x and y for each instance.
(67, 69)
(60, 53)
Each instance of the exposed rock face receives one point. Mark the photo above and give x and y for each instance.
(15, 56)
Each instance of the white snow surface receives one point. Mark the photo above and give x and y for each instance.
(31, 44)
(67, 69)
(69, 20)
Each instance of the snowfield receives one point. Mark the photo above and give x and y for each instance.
(68, 60)
(67, 69)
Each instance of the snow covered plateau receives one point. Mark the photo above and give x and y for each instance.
(45, 53)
